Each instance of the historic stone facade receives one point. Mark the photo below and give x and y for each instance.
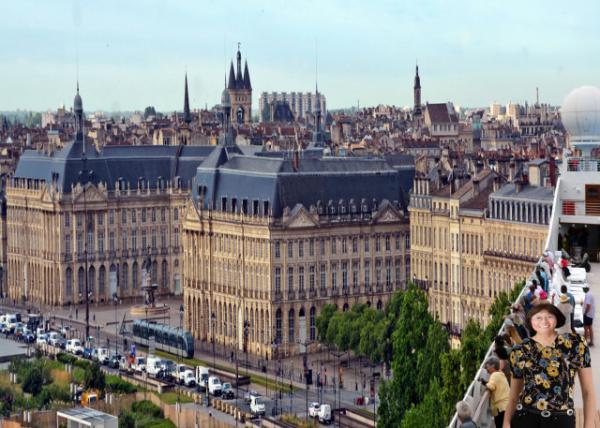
(251, 261)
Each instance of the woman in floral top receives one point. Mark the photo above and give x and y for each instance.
(544, 367)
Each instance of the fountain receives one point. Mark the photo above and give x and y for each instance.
(150, 308)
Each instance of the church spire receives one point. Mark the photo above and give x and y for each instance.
(238, 77)
(187, 116)
(231, 84)
(247, 84)
(417, 91)
(78, 111)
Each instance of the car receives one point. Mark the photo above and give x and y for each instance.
(42, 339)
(74, 346)
(325, 414)
(214, 385)
(116, 361)
(185, 375)
(87, 353)
(201, 378)
(257, 405)
(153, 365)
(101, 355)
(139, 364)
(227, 392)
(65, 330)
(313, 410)
(54, 338)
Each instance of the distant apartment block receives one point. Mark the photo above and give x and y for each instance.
(300, 103)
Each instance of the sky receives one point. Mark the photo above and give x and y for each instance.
(132, 54)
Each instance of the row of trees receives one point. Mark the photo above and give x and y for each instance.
(428, 377)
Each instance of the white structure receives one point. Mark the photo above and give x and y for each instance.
(300, 103)
(81, 417)
(580, 115)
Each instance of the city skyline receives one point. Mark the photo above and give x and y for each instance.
(365, 54)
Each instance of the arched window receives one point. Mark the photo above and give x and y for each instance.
(91, 281)
(134, 275)
(278, 326)
(291, 326)
(154, 272)
(80, 283)
(101, 282)
(69, 283)
(164, 275)
(313, 325)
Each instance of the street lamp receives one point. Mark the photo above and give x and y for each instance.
(338, 355)
(116, 302)
(246, 334)
(179, 357)
(86, 228)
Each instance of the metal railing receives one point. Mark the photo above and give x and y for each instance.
(477, 395)
(583, 164)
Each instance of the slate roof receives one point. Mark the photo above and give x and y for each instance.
(439, 113)
(526, 193)
(317, 180)
(128, 163)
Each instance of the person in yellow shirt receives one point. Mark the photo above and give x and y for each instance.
(499, 389)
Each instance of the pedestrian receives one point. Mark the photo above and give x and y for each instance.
(501, 351)
(497, 384)
(543, 374)
(517, 315)
(565, 290)
(530, 297)
(589, 310)
(464, 414)
(564, 305)
(542, 278)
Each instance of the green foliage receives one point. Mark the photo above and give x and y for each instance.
(429, 365)
(500, 308)
(33, 380)
(426, 413)
(66, 358)
(7, 399)
(322, 321)
(126, 420)
(451, 389)
(474, 345)
(144, 414)
(94, 378)
(146, 407)
(149, 111)
(117, 385)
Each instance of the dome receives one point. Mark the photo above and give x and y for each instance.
(225, 99)
(580, 114)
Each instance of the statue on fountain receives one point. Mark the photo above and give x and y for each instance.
(148, 287)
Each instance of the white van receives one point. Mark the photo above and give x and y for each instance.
(214, 385)
(257, 405)
(202, 377)
(101, 355)
(154, 365)
(325, 414)
(74, 346)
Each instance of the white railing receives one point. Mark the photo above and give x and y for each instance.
(583, 164)
(477, 395)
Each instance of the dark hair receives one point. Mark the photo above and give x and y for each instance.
(534, 281)
(549, 307)
(563, 289)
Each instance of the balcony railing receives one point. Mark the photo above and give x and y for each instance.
(580, 208)
(583, 164)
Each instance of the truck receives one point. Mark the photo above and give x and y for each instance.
(214, 385)
(313, 410)
(74, 346)
(257, 405)
(153, 365)
(325, 414)
(101, 355)
(202, 378)
(184, 375)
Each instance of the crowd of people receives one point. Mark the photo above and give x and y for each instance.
(532, 375)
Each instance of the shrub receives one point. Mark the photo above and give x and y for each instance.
(93, 378)
(66, 358)
(147, 407)
(118, 385)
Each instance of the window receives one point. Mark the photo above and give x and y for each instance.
(344, 245)
(290, 281)
(388, 245)
(354, 275)
(322, 246)
(366, 238)
(67, 219)
(124, 276)
(111, 217)
(111, 241)
(334, 276)
(398, 242)
(311, 278)
(163, 214)
(153, 215)
(100, 218)
(277, 280)
(101, 281)
(67, 244)
(134, 239)
(176, 234)
(398, 266)
(175, 214)
(133, 215)
(277, 249)
(355, 245)
(388, 272)
(407, 241)
(154, 238)
(367, 274)
(79, 219)
(134, 275)
(313, 324)
(333, 246)
(377, 244)
(144, 240)
(101, 241)
(278, 326)
(301, 278)
(143, 215)
(290, 249)
(79, 243)
(344, 275)
(301, 248)
(291, 326)
(164, 274)
(311, 247)
(323, 272)
(163, 238)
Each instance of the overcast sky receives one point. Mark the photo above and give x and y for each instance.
(134, 53)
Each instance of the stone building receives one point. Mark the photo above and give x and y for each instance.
(472, 241)
(79, 209)
(240, 92)
(268, 240)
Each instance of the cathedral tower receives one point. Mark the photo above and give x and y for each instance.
(240, 91)
(417, 92)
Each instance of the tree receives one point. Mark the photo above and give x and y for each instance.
(429, 361)
(94, 378)
(126, 420)
(323, 319)
(149, 111)
(426, 413)
(7, 399)
(451, 389)
(474, 345)
(33, 380)
(408, 337)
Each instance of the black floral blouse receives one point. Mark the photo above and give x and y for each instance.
(549, 371)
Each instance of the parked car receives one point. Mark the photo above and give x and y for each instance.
(257, 405)
(325, 414)
(74, 346)
(185, 375)
(248, 395)
(65, 330)
(54, 338)
(101, 355)
(42, 339)
(115, 361)
(227, 391)
(313, 410)
(139, 364)
(214, 385)
(153, 365)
